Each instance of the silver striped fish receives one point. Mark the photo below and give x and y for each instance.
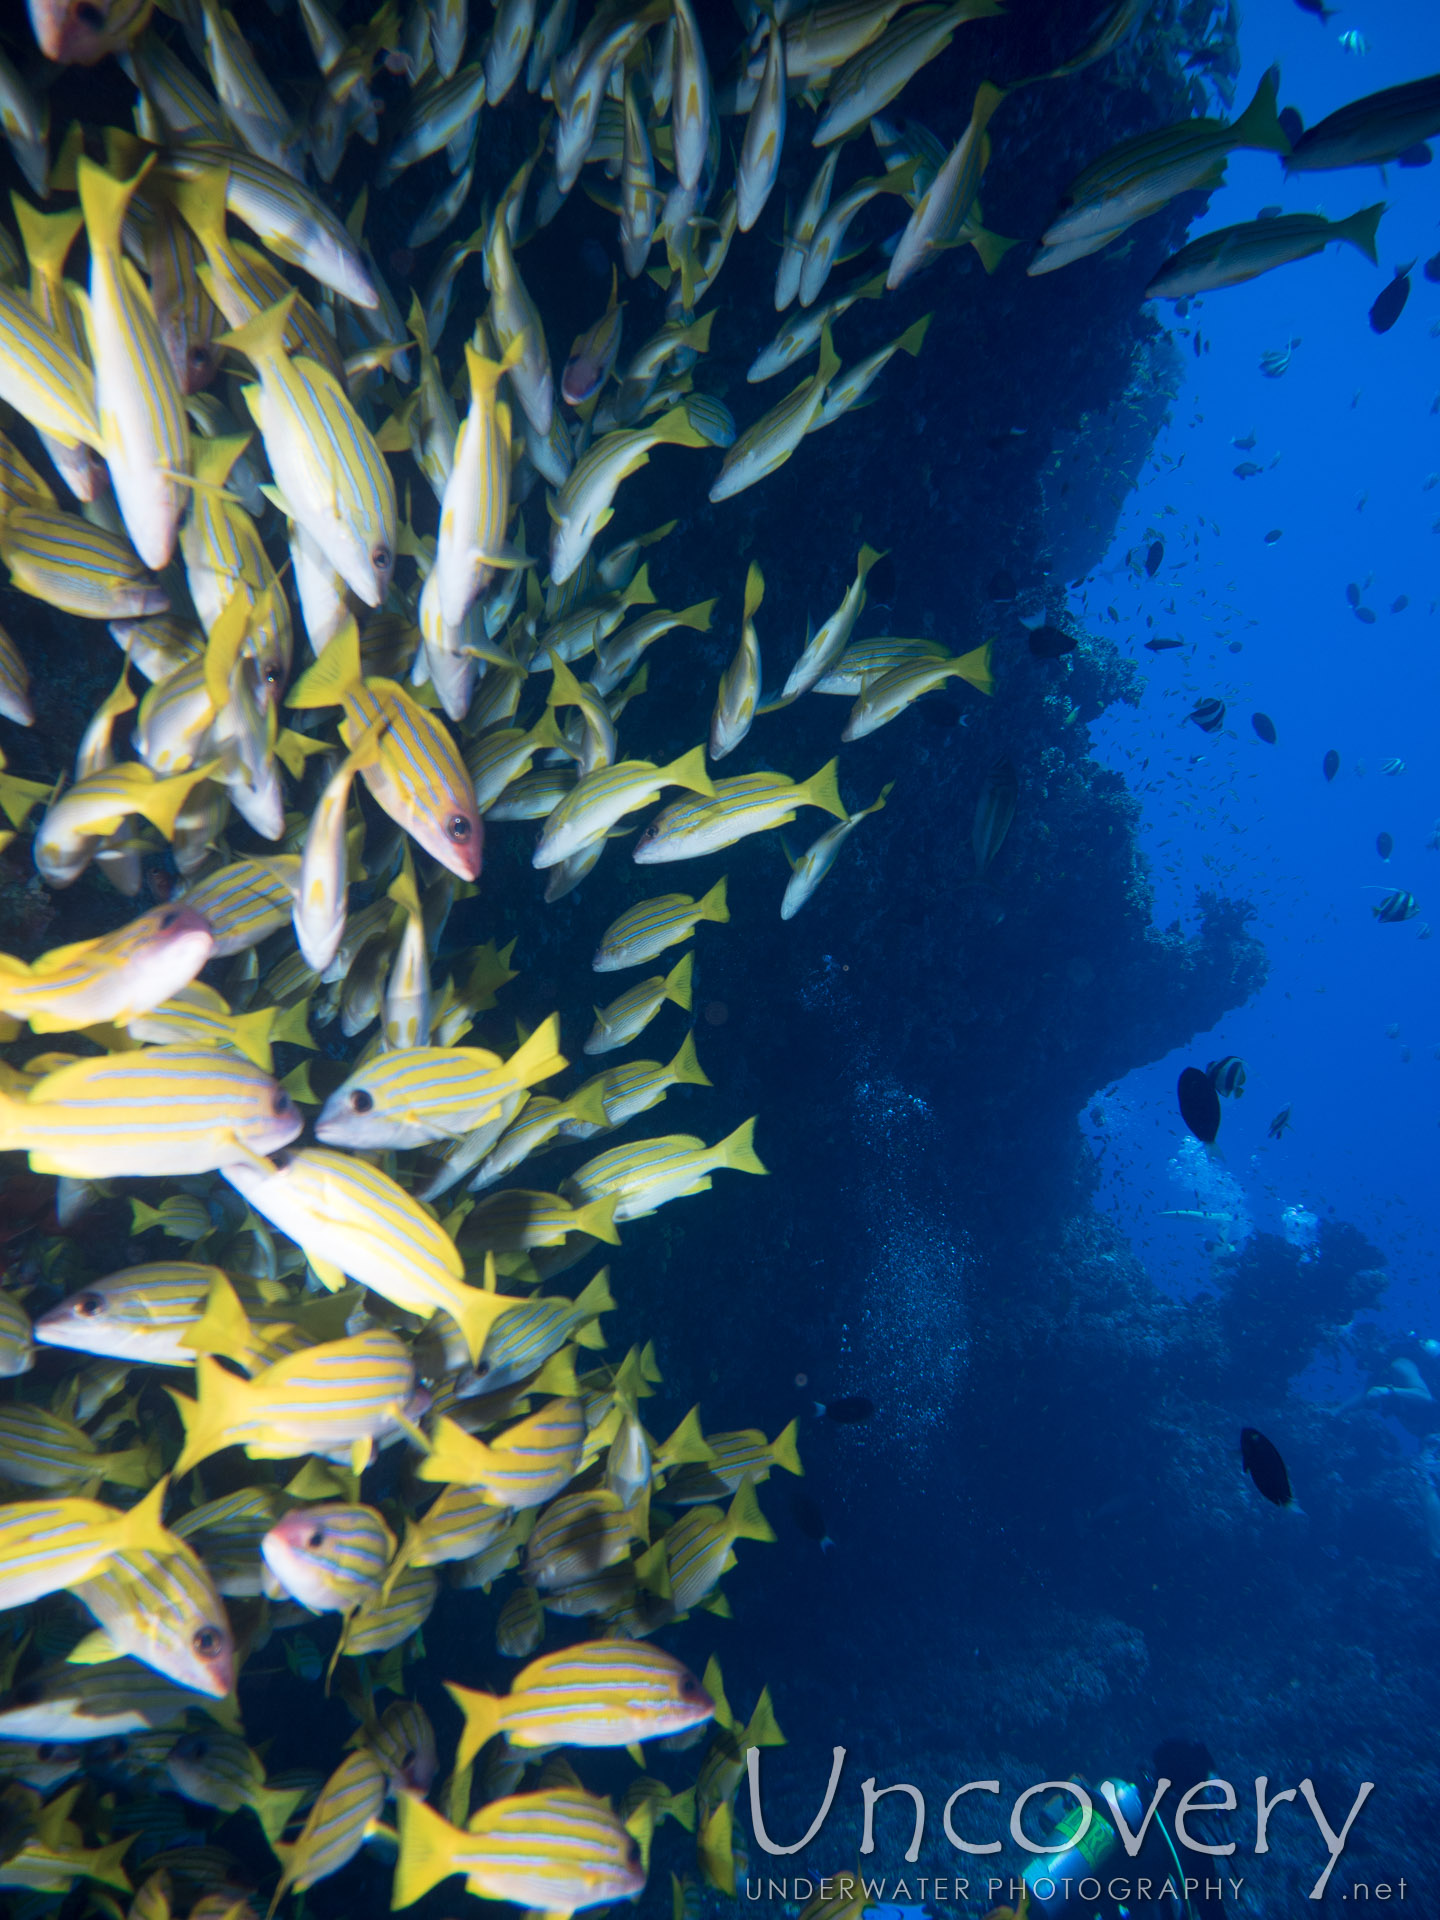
(649, 928)
(627, 1016)
(348, 1805)
(61, 559)
(643, 1174)
(142, 1314)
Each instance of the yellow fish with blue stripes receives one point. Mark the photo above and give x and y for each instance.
(144, 433)
(335, 1399)
(162, 1609)
(748, 803)
(644, 1174)
(414, 1095)
(627, 1016)
(245, 902)
(42, 379)
(61, 559)
(49, 1545)
(160, 1110)
(347, 1807)
(350, 1218)
(524, 1466)
(329, 473)
(554, 1851)
(602, 1693)
(117, 977)
(331, 1557)
(648, 929)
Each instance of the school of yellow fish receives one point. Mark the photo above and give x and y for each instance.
(217, 419)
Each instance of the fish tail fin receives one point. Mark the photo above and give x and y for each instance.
(143, 1217)
(211, 460)
(565, 688)
(877, 804)
(46, 237)
(822, 790)
(829, 359)
(869, 557)
(988, 97)
(715, 1848)
(131, 1467)
(200, 202)
(273, 1807)
(598, 1220)
(697, 334)
(697, 617)
(674, 429)
(685, 1069)
(12, 1122)
(975, 667)
(745, 1521)
(103, 1865)
(263, 337)
(588, 1104)
(764, 1728)
(402, 889)
(163, 803)
(678, 981)
(713, 905)
(221, 1401)
(689, 772)
(252, 1033)
(991, 247)
(104, 200)
(292, 1025)
(143, 1529)
(327, 681)
(475, 1311)
(737, 1150)
(1362, 230)
(595, 1297)
(784, 1451)
(539, 1057)
(687, 1445)
(639, 593)
(482, 1723)
(427, 1845)
(1259, 125)
(754, 591)
(913, 338)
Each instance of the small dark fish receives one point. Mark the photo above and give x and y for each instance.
(1247, 470)
(1209, 716)
(1002, 585)
(1280, 1124)
(1390, 302)
(848, 1412)
(1154, 554)
(1163, 646)
(1227, 1076)
(1199, 1104)
(1318, 7)
(809, 1518)
(1265, 728)
(1352, 594)
(1330, 765)
(1432, 267)
(1395, 907)
(1291, 123)
(1051, 643)
(1384, 845)
(1261, 1460)
(1269, 213)
(1273, 535)
(1399, 604)
(1420, 155)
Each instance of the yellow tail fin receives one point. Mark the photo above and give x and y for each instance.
(222, 1403)
(713, 905)
(539, 1058)
(685, 1068)
(745, 1521)
(678, 981)
(737, 1150)
(687, 1445)
(262, 338)
(764, 1729)
(598, 1220)
(822, 789)
(427, 1847)
(784, 1451)
(482, 1713)
(143, 1529)
(334, 676)
(47, 237)
(975, 667)
(754, 591)
(104, 200)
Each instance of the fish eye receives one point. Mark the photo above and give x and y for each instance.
(168, 920)
(89, 15)
(208, 1642)
(688, 1684)
(316, 1540)
(361, 1101)
(283, 1102)
(87, 1304)
(457, 827)
(382, 558)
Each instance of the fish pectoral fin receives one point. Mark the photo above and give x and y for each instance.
(328, 1274)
